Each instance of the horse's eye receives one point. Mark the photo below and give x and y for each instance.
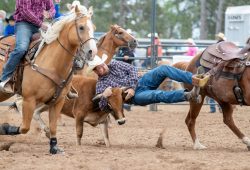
(120, 33)
(81, 28)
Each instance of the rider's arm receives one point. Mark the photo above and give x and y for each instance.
(50, 8)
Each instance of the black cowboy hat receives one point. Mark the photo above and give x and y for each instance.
(11, 18)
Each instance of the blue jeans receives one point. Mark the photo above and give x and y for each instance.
(23, 32)
(212, 105)
(146, 91)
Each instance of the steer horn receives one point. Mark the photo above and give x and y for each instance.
(98, 96)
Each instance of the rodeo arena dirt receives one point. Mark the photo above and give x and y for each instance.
(132, 144)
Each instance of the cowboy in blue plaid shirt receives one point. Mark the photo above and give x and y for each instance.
(141, 90)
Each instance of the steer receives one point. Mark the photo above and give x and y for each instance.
(84, 110)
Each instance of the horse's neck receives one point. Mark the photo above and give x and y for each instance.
(55, 57)
(107, 47)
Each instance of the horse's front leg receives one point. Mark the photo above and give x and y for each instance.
(37, 117)
(191, 120)
(53, 112)
(227, 110)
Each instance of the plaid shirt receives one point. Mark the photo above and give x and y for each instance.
(32, 10)
(120, 74)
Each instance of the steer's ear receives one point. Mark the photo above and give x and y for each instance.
(123, 92)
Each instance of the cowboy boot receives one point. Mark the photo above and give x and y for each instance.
(5, 86)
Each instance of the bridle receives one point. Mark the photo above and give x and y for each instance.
(79, 38)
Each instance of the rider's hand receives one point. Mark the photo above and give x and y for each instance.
(126, 57)
(107, 92)
(46, 15)
(44, 27)
(130, 93)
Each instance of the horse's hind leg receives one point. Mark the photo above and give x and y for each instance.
(37, 117)
(190, 122)
(227, 110)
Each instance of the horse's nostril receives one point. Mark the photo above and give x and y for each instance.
(90, 51)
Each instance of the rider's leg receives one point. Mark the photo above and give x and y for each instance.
(145, 96)
(24, 32)
(154, 78)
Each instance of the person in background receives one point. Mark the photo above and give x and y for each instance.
(220, 37)
(125, 52)
(192, 49)
(212, 104)
(29, 18)
(10, 27)
(57, 8)
(2, 17)
(149, 50)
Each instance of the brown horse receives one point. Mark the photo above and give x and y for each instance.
(221, 89)
(116, 37)
(55, 58)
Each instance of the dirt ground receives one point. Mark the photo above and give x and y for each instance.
(133, 144)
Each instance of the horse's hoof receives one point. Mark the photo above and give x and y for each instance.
(56, 150)
(199, 147)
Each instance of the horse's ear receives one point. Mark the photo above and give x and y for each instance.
(77, 9)
(90, 11)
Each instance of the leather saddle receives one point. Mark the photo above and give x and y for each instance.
(7, 45)
(226, 59)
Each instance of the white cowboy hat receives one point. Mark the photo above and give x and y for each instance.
(220, 36)
(71, 7)
(190, 41)
(2, 14)
(96, 62)
(156, 35)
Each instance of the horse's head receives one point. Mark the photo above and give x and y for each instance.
(122, 38)
(82, 34)
(116, 103)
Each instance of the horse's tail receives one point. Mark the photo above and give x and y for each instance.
(181, 65)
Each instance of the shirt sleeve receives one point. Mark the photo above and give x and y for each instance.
(50, 7)
(130, 70)
(25, 9)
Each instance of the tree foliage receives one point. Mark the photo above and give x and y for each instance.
(175, 18)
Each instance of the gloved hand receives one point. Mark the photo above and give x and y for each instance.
(44, 27)
(107, 92)
(130, 93)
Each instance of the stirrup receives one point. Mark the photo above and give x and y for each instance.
(6, 87)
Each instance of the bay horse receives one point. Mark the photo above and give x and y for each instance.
(50, 74)
(221, 85)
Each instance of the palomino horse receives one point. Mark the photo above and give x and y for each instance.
(228, 85)
(116, 37)
(51, 73)
(107, 44)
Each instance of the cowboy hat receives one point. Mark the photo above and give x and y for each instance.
(11, 18)
(96, 62)
(156, 35)
(2, 14)
(220, 36)
(190, 41)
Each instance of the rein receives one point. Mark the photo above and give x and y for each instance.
(61, 83)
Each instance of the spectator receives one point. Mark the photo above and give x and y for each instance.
(127, 54)
(57, 8)
(157, 42)
(2, 17)
(212, 104)
(220, 37)
(192, 49)
(10, 27)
